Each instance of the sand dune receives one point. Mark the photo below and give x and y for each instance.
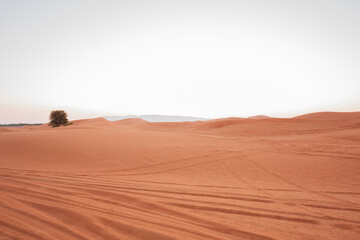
(331, 116)
(257, 179)
(4, 129)
(270, 127)
(132, 121)
(259, 117)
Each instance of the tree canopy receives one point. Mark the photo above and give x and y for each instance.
(57, 118)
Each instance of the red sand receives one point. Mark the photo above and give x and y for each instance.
(256, 179)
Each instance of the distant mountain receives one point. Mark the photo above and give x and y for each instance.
(157, 118)
(20, 124)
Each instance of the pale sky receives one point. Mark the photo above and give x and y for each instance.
(198, 58)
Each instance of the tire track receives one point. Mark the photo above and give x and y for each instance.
(298, 186)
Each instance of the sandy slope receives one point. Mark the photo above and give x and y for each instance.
(257, 179)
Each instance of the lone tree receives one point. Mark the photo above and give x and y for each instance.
(57, 118)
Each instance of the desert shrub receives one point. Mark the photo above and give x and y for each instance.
(57, 118)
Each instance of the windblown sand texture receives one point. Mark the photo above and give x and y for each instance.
(252, 179)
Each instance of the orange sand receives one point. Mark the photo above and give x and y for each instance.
(255, 179)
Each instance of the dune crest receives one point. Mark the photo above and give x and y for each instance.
(99, 120)
(330, 116)
(131, 121)
(259, 117)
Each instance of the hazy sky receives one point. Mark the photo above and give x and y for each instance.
(200, 58)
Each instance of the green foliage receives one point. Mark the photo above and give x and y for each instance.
(57, 118)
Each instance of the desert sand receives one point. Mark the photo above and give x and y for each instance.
(256, 179)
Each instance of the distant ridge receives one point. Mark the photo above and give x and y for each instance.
(20, 124)
(157, 118)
